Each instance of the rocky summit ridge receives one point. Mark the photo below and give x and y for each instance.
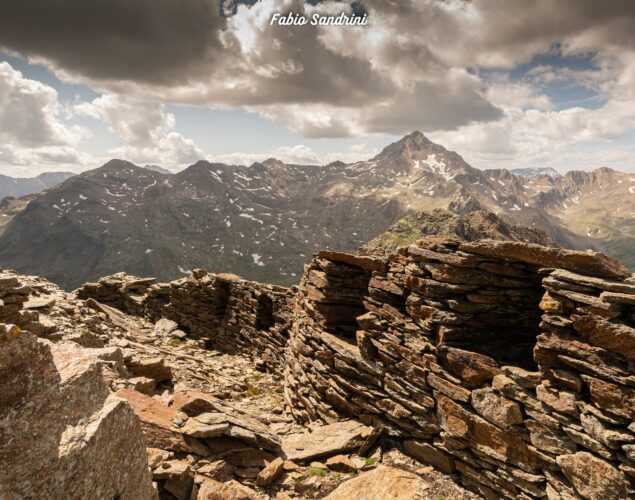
(263, 221)
(447, 369)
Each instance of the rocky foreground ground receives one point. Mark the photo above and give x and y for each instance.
(215, 425)
(500, 366)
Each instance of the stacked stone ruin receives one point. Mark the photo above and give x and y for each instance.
(507, 364)
(230, 314)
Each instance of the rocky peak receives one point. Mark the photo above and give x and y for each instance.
(407, 145)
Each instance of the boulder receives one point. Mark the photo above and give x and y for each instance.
(271, 472)
(325, 441)
(341, 463)
(210, 489)
(82, 441)
(158, 426)
(381, 482)
(154, 368)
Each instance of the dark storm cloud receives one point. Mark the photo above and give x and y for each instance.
(158, 41)
(414, 66)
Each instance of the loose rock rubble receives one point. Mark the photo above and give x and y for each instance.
(504, 366)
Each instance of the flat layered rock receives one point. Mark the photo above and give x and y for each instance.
(593, 478)
(363, 261)
(326, 440)
(157, 422)
(210, 418)
(590, 263)
(382, 482)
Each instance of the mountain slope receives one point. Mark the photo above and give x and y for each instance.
(21, 186)
(468, 227)
(264, 221)
(533, 173)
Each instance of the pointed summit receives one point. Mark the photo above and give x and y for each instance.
(414, 141)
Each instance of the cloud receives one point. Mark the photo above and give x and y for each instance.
(31, 129)
(29, 113)
(146, 130)
(305, 77)
(158, 42)
(424, 65)
(356, 152)
(533, 137)
(298, 155)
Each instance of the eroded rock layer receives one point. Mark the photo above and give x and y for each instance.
(507, 364)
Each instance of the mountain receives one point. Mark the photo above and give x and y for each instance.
(10, 207)
(535, 172)
(467, 227)
(21, 186)
(264, 221)
(157, 168)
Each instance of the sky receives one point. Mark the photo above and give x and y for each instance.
(505, 83)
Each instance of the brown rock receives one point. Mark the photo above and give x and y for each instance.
(195, 428)
(448, 388)
(180, 488)
(559, 399)
(619, 298)
(365, 262)
(171, 469)
(144, 385)
(475, 369)
(156, 422)
(341, 463)
(59, 422)
(381, 483)
(589, 263)
(289, 466)
(592, 477)
(425, 452)
(600, 284)
(157, 456)
(153, 368)
(210, 489)
(612, 336)
(485, 437)
(524, 378)
(496, 409)
(271, 472)
(549, 439)
(325, 440)
(219, 470)
(614, 398)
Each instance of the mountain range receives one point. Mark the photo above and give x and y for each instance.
(21, 186)
(265, 220)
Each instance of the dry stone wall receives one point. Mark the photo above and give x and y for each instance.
(228, 313)
(507, 364)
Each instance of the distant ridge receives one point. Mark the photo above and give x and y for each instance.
(264, 221)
